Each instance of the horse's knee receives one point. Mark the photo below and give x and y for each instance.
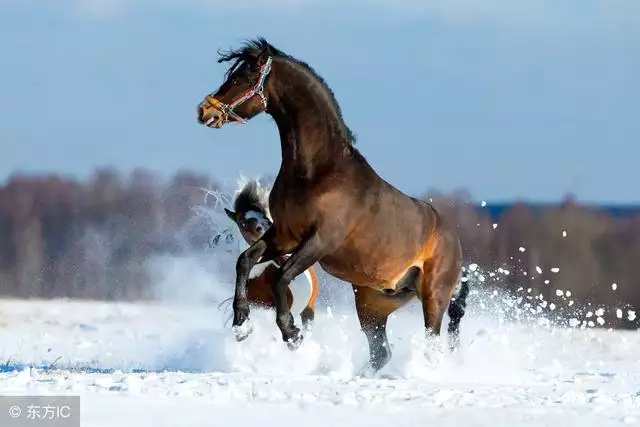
(248, 258)
(279, 289)
(244, 263)
(284, 320)
(285, 277)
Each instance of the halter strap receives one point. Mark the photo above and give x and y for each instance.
(258, 89)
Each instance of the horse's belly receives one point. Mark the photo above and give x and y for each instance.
(351, 272)
(375, 270)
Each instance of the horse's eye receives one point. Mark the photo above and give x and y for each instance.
(235, 82)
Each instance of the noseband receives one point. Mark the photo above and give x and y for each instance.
(258, 89)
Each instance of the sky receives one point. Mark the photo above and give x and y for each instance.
(506, 99)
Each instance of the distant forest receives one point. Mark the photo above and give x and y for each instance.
(63, 238)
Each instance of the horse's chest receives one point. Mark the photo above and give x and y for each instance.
(292, 217)
(288, 196)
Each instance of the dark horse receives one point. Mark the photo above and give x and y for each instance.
(329, 206)
(251, 215)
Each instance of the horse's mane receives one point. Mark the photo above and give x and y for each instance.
(252, 196)
(252, 49)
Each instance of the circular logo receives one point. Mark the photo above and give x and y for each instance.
(15, 411)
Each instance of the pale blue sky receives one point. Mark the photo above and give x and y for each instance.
(508, 99)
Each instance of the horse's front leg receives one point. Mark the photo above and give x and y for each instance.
(262, 250)
(245, 263)
(307, 253)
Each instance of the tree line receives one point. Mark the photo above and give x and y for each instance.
(65, 238)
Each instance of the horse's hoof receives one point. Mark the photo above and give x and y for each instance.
(367, 371)
(295, 341)
(243, 331)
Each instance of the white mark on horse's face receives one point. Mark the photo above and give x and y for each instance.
(253, 225)
(260, 218)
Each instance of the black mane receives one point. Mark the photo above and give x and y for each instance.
(252, 197)
(252, 49)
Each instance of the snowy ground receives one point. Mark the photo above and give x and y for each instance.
(523, 376)
(177, 364)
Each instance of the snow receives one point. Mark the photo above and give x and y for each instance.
(179, 362)
(175, 361)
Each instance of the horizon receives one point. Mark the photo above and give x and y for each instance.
(495, 206)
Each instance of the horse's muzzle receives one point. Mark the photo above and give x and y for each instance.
(212, 118)
(215, 121)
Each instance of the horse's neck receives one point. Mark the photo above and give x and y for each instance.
(310, 136)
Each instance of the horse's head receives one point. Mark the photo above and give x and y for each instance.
(243, 93)
(252, 224)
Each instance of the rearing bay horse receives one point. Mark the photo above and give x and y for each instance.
(329, 206)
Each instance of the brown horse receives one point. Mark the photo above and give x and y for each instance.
(251, 215)
(330, 206)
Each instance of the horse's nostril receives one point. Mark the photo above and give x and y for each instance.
(259, 229)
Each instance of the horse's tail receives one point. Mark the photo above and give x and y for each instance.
(456, 310)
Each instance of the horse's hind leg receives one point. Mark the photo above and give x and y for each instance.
(308, 313)
(456, 311)
(373, 308)
(438, 284)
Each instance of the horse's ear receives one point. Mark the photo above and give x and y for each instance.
(230, 214)
(264, 55)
